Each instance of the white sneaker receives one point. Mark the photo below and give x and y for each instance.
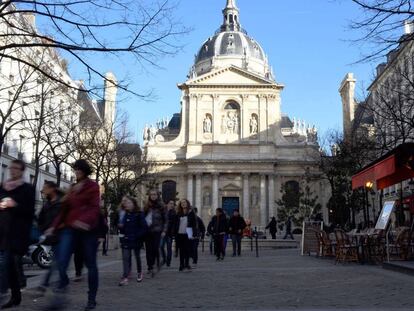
(140, 277)
(123, 282)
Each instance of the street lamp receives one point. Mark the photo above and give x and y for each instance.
(368, 188)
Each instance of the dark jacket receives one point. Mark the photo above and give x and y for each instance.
(191, 223)
(218, 225)
(272, 226)
(103, 228)
(159, 218)
(201, 228)
(133, 228)
(16, 222)
(236, 224)
(48, 214)
(171, 219)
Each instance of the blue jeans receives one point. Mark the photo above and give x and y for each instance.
(4, 282)
(69, 238)
(166, 241)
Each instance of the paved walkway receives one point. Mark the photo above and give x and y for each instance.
(278, 280)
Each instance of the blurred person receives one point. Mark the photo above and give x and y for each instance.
(167, 241)
(157, 223)
(17, 206)
(236, 227)
(272, 226)
(77, 223)
(49, 212)
(288, 225)
(200, 231)
(133, 228)
(185, 227)
(218, 229)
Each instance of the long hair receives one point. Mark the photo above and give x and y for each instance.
(134, 202)
(180, 208)
(150, 204)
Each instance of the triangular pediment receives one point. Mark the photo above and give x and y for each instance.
(231, 187)
(231, 75)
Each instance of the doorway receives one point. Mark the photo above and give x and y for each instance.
(229, 204)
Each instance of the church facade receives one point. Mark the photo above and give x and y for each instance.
(231, 146)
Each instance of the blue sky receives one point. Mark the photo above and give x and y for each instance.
(308, 43)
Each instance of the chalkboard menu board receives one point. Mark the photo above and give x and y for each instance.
(310, 242)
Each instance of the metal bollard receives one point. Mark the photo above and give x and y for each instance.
(256, 236)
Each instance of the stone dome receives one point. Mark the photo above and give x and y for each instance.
(231, 45)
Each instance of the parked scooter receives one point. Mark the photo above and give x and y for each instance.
(41, 255)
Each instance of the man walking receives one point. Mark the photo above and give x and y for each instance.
(236, 227)
(272, 226)
(289, 228)
(218, 229)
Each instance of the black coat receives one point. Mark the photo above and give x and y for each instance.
(171, 219)
(16, 223)
(236, 224)
(48, 214)
(218, 225)
(201, 228)
(272, 226)
(191, 223)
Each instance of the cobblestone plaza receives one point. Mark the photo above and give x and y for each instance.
(277, 280)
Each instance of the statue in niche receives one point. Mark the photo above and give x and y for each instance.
(207, 198)
(254, 127)
(207, 124)
(254, 197)
(231, 123)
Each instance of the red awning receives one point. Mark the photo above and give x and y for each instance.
(387, 170)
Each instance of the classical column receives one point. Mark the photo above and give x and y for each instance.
(246, 195)
(272, 204)
(263, 214)
(190, 188)
(215, 190)
(278, 194)
(198, 193)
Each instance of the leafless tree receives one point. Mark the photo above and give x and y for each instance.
(81, 30)
(381, 25)
(392, 106)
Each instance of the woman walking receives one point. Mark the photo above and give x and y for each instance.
(78, 222)
(156, 219)
(17, 205)
(185, 228)
(132, 228)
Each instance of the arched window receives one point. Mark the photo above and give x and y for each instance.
(169, 190)
(292, 190)
(232, 105)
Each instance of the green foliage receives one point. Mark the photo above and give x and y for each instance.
(300, 204)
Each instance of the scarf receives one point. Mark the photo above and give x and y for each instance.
(10, 185)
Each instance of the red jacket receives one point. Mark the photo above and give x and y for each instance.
(80, 204)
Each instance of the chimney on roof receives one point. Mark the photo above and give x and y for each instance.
(408, 27)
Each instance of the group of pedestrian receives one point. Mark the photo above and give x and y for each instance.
(156, 227)
(69, 222)
(220, 227)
